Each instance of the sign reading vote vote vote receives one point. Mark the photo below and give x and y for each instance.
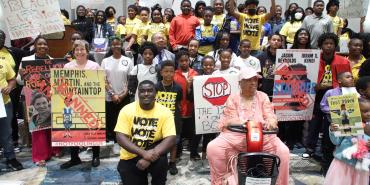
(210, 96)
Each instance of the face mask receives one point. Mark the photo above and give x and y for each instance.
(252, 11)
(298, 16)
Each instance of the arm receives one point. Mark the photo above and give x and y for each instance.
(362, 24)
(198, 35)
(231, 9)
(11, 85)
(166, 144)
(324, 103)
(172, 33)
(125, 143)
(272, 11)
(131, 42)
(268, 113)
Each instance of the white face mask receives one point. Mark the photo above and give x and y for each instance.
(298, 16)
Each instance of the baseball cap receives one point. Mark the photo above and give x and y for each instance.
(247, 73)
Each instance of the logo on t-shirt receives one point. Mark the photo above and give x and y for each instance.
(167, 99)
(328, 78)
(251, 26)
(143, 131)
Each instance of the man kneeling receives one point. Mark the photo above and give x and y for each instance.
(146, 132)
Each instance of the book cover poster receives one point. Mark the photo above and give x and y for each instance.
(345, 111)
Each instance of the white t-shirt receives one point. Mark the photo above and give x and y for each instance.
(230, 70)
(145, 72)
(117, 71)
(251, 62)
(218, 62)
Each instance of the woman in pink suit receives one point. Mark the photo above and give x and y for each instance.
(249, 104)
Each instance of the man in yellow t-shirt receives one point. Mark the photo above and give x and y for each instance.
(7, 84)
(146, 132)
(251, 23)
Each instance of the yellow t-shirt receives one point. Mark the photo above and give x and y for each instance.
(141, 30)
(6, 73)
(121, 30)
(337, 23)
(289, 30)
(207, 31)
(218, 20)
(144, 127)
(251, 28)
(356, 68)
(131, 24)
(154, 28)
(7, 57)
(168, 25)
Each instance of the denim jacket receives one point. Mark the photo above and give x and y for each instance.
(341, 144)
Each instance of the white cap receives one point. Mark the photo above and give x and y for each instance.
(247, 73)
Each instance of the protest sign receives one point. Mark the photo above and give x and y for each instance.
(32, 18)
(37, 91)
(78, 107)
(295, 79)
(353, 8)
(211, 95)
(345, 111)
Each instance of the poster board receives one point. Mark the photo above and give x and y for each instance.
(78, 107)
(345, 111)
(295, 79)
(211, 94)
(353, 8)
(32, 18)
(37, 91)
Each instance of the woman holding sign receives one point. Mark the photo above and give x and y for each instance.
(249, 104)
(81, 50)
(41, 138)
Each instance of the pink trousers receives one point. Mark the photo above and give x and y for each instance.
(229, 143)
(41, 146)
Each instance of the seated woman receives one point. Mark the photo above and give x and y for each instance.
(249, 104)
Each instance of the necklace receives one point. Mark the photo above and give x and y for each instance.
(251, 108)
(164, 87)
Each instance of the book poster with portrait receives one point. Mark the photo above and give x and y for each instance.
(37, 91)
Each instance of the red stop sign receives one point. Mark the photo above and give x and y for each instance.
(216, 90)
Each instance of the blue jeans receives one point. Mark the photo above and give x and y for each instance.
(6, 132)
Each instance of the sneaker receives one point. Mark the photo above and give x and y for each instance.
(17, 149)
(205, 164)
(195, 157)
(308, 153)
(14, 164)
(70, 163)
(172, 168)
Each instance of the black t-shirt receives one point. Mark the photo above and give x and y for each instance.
(170, 97)
(267, 60)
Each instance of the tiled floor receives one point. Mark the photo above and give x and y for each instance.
(302, 171)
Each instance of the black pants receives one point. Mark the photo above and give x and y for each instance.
(327, 146)
(131, 175)
(74, 152)
(17, 112)
(315, 124)
(112, 111)
(291, 132)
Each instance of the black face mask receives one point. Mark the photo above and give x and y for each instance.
(252, 11)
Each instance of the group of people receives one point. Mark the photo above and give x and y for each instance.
(149, 95)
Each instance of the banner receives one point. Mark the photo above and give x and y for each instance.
(32, 18)
(345, 111)
(209, 101)
(78, 107)
(353, 8)
(295, 79)
(37, 91)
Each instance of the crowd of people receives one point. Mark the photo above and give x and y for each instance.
(151, 53)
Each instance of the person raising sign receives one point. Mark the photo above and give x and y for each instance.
(251, 23)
